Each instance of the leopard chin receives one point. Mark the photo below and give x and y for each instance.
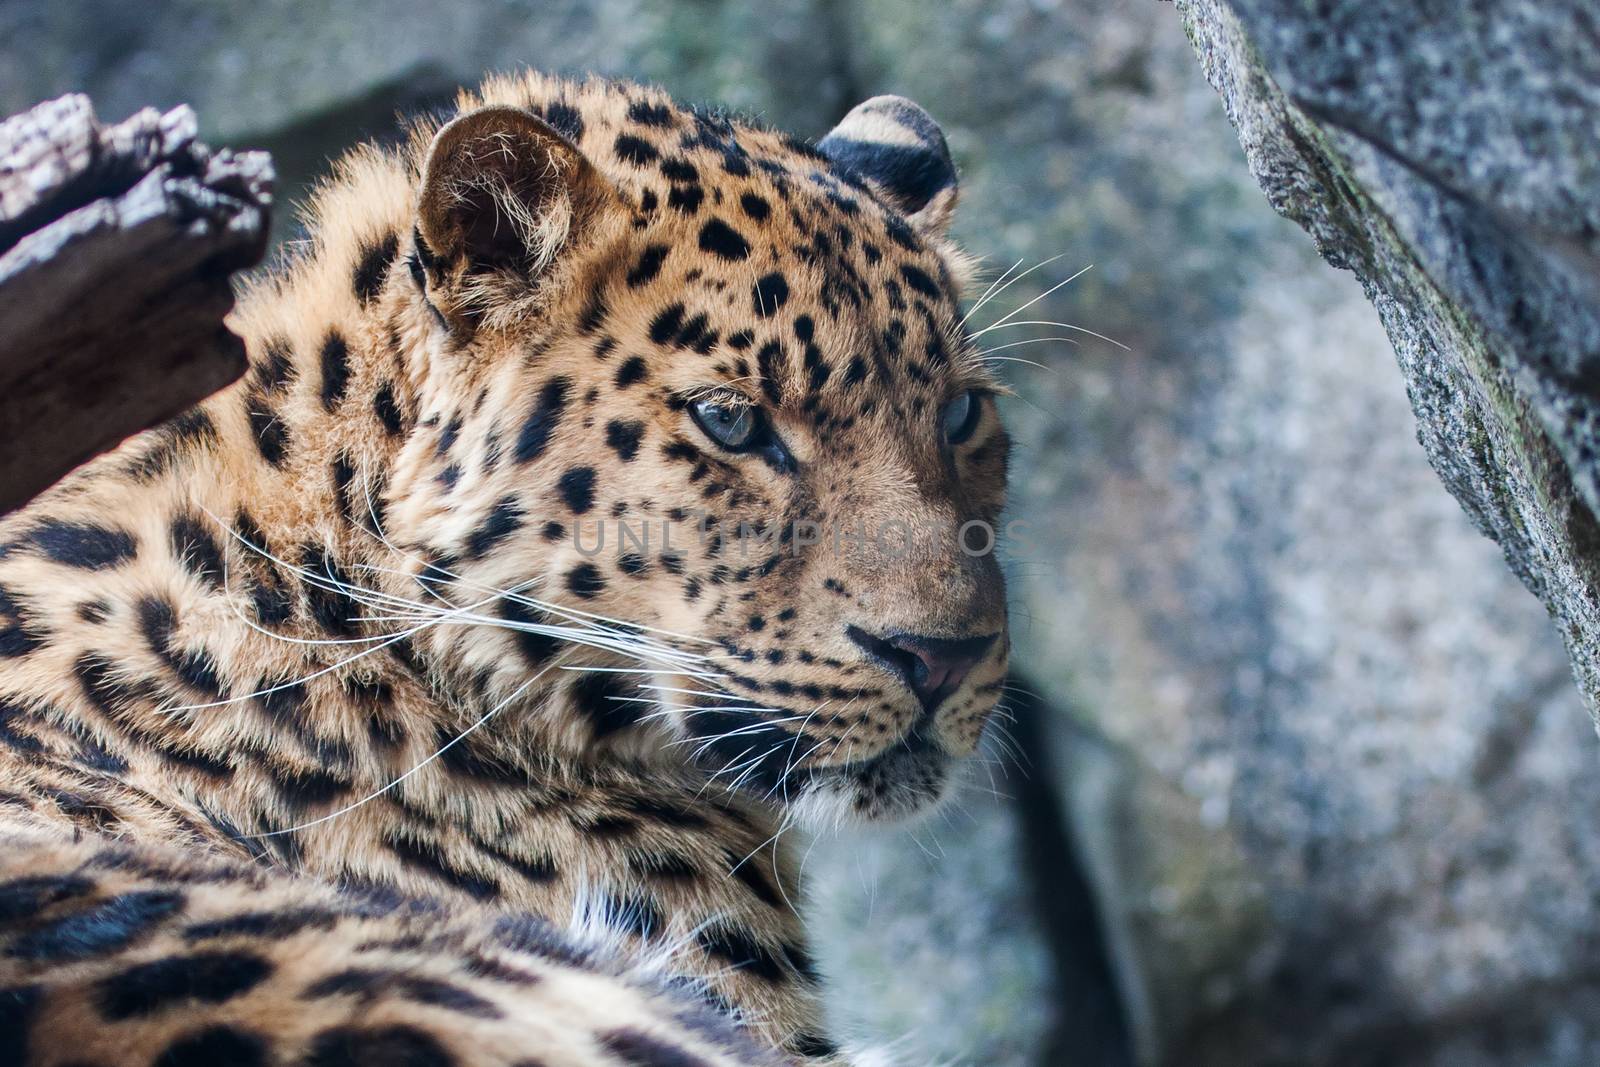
(906, 782)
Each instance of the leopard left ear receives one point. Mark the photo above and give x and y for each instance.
(894, 144)
(502, 190)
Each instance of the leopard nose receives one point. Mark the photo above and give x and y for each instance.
(933, 667)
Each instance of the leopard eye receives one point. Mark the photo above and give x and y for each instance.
(735, 427)
(960, 417)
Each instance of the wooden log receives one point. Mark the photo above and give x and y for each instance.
(116, 248)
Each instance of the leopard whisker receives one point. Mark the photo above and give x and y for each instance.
(430, 616)
(240, 614)
(754, 727)
(798, 734)
(1010, 316)
(795, 763)
(427, 616)
(605, 640)
(1037, 266)
(1007, 745)
(930, 853)
(652, 671)
(792, 762)
(1025, 341)
(988, 766)
(783, 824)
(383, 538)
(993, 790)
(322, 581)
(514, 592)
(723, 770)
(292, 683)
(806, 858)
(619, 628)
(787, 821)
(789, 764)
(1014, 359)
(599, 639)
(706, 743)
(578, 613)
(983, 297)
(438, 752)
(750, 768)
(693, 692)
(666, 712)
(1062, 325)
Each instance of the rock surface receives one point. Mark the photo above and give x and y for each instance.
(1449, 154)
(1430, 877)
(1332, 779)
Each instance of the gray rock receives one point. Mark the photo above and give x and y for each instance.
(1366, 722)
(1320, 749)
(912, 916)
(1449, 154)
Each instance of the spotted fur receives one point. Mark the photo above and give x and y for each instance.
(310, 698)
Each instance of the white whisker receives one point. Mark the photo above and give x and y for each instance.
(984, 298)
(1037, 266)
(1027, 341)
(1007, 318)
(1014, 359)
(485, 717)
(1051, 322)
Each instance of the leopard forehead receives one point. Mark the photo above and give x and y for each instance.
(788, 275)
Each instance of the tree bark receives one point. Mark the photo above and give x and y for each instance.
(116, 248)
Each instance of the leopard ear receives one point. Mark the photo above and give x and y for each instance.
(894, 144)
(502, 190)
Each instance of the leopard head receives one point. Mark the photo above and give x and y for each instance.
(699, 394)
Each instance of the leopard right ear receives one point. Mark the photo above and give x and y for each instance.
(502, 192)
(898, 147)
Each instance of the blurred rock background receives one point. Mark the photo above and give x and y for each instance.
(1319, 752)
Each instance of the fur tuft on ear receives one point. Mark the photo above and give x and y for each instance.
(501, 190)
(895, 144)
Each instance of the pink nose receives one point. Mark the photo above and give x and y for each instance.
(933, 667)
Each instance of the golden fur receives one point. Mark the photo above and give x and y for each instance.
(336, 629)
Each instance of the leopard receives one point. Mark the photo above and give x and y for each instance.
(599, 515)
